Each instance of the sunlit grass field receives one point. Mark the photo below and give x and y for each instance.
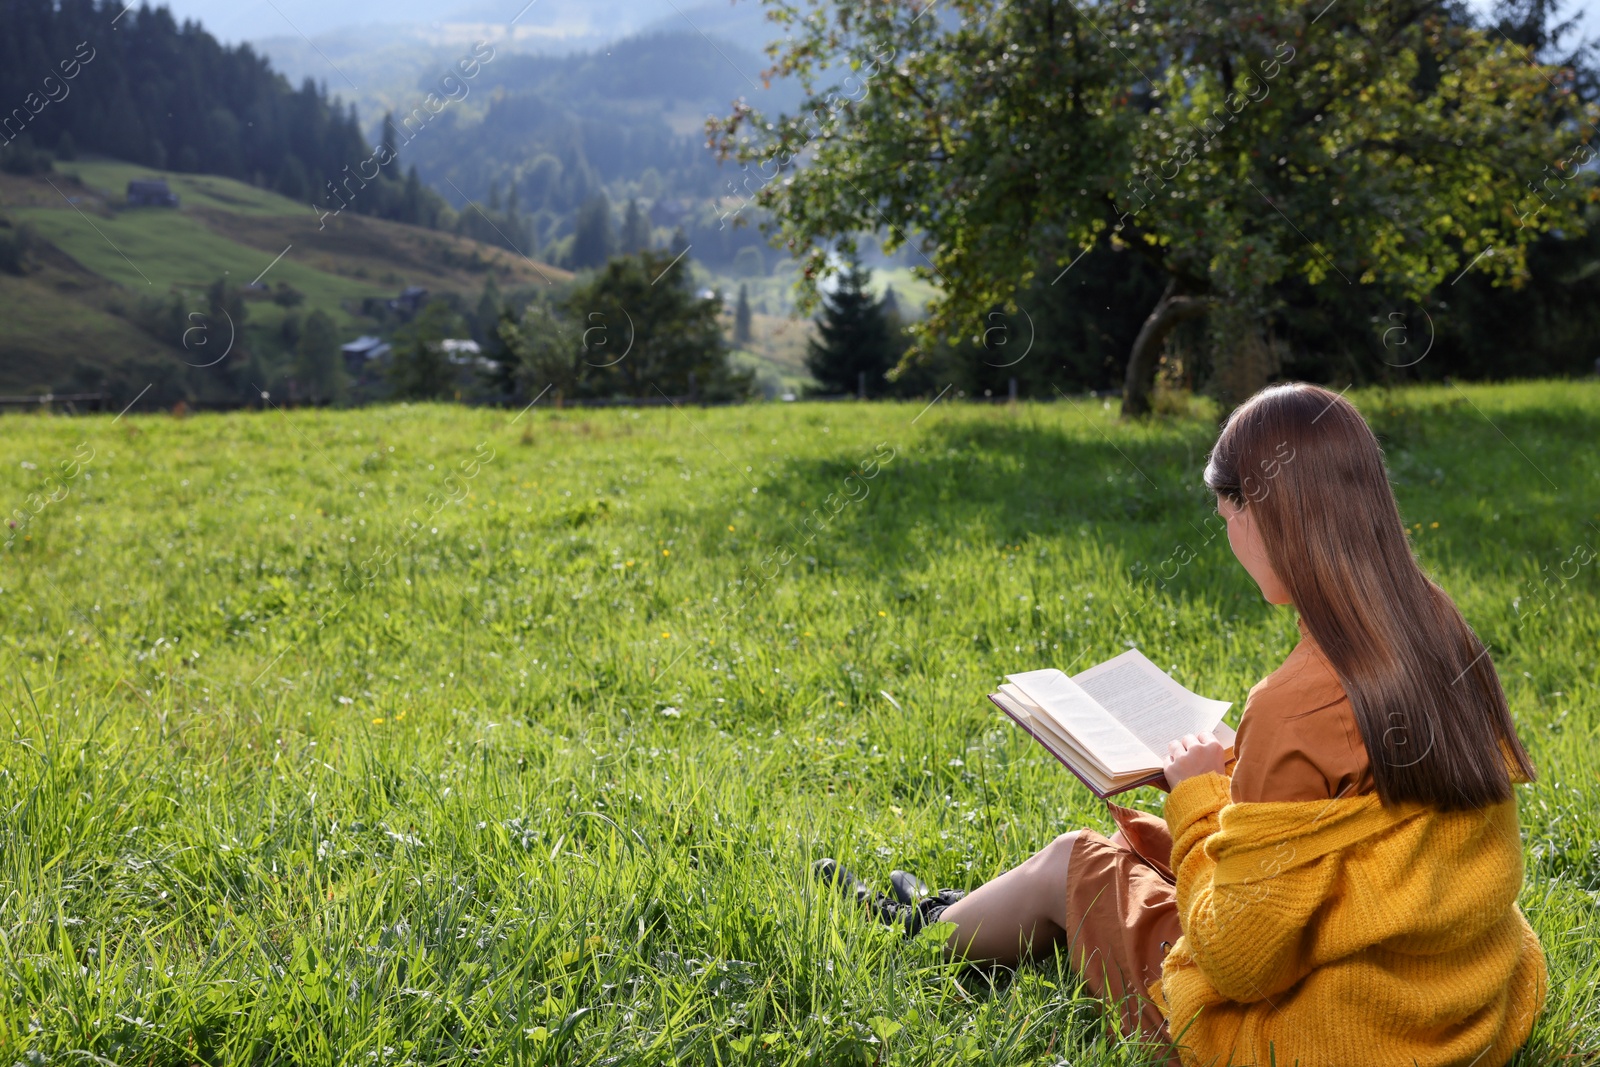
(427, 735)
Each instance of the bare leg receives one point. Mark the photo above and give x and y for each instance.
(1023, 908)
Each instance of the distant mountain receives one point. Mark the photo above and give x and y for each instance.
(550, 132)
(390, 64)
(543, 25)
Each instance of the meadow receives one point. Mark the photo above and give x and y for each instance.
(431, 735)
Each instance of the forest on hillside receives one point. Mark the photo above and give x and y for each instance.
(87, 76)
(1441, 156)
(562, 133)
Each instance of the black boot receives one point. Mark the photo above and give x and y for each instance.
(933, 907)
(907, 887)
(926, 907)
(908, 905)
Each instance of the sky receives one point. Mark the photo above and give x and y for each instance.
(251, 20)
(248, 20)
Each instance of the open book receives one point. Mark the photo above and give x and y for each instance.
(1111, 724)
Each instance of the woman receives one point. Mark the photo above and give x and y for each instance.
(1345, 892)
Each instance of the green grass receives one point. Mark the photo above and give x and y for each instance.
(48, 328)
(110, 178)
(97, 258)
(150, 251)
(522, 790)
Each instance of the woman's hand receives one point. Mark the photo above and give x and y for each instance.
(1194, 754)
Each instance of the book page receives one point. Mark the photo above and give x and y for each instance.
(1144, 699)
(1049, 734)
(1034, 720)
(1095, 728)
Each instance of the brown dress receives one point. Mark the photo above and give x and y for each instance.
(1297, 740)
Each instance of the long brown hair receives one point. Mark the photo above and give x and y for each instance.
(1425, 694)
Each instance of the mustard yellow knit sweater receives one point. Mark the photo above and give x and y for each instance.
(1344, 933)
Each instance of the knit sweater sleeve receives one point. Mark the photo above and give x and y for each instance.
(1245, 936)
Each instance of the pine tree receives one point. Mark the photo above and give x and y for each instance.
(853, 338)
(592, 242)
(390, 143)
(741, 318)
(411, 200)
(635, 229)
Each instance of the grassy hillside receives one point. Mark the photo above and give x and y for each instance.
(97, 258)
(430, 735)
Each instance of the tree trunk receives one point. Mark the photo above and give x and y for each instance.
(1170, 310)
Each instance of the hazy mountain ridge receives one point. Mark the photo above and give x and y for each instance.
(380, 64)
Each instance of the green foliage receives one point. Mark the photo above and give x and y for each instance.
(16, 241)
(290, 330)
(326, 753)
(419, 368)
(1070, 333)
(1373, 145)
(542, 352)
(21, 157)
(634, 329)
(494, 225)
(853, 338)
(318, 365)
(286, 295)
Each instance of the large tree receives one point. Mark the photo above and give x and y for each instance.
(1234, 144)
(636, 328)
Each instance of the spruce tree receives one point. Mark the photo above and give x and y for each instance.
(592, 242)
(853, 338)
(390, 156)
(741, 318)
(635, 229)
(411, 199)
